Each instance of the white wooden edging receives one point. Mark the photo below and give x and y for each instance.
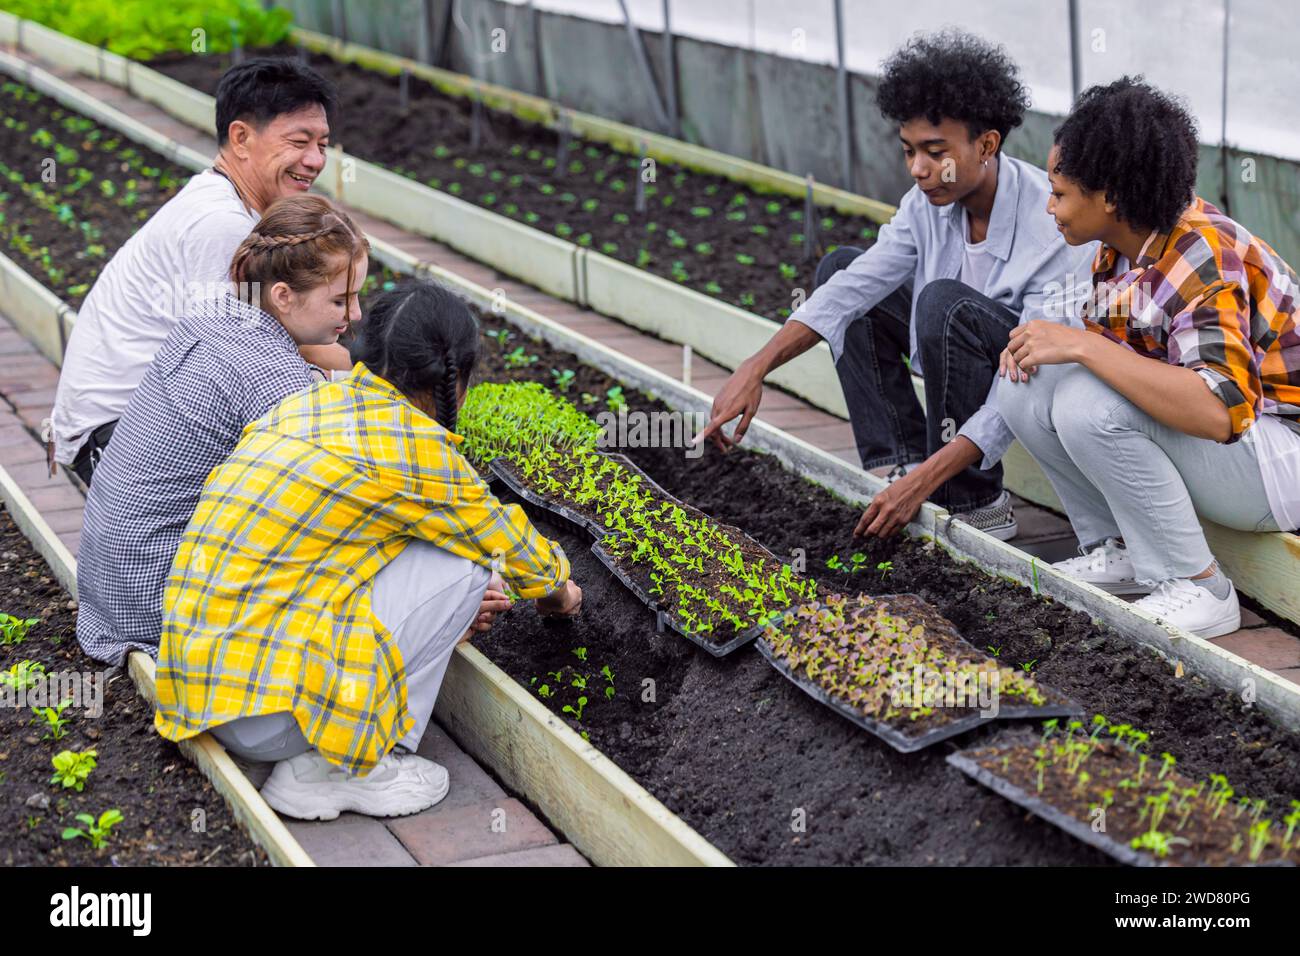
(247, 805)
(29, 305)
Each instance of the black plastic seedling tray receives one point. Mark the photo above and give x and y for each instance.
(1041, 808)
(902, 742)
(590, 525)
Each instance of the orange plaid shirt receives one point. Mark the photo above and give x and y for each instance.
(1209, 296)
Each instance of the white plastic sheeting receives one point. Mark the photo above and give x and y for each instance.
(1176, 44)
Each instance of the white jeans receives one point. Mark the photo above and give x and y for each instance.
(1120, 473)
(427, 598)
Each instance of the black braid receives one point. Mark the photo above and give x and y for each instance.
(447, 396)
(423, 339)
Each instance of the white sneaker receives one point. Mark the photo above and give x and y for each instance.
(997, 519)
(1106, 566)
(1185, 604)
(309, 787)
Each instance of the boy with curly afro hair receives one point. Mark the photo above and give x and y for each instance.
(1190, 343)
(967, 258)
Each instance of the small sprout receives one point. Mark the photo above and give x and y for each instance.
(13, 630)
(97, 831)
(71, 768)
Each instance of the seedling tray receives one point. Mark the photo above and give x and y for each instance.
(1040, 808)
(503, 471)
(713, 647)
(890, 734)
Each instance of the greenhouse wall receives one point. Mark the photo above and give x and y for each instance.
(774, 109)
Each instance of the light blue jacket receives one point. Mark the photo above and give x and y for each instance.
(1035, 273)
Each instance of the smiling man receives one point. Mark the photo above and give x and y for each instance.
(968, 256)
(273, 124)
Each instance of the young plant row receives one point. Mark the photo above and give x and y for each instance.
(710, 578)
(728, 243)
(1103, 774)
(863, 654)
(72, 768)
(70, 192)
(144, 28)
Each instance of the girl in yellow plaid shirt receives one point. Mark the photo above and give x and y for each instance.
(334, 562)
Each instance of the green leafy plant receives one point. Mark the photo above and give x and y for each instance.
(13, 630)
(71, 768)
(55, 723)
(520, 358)
(97, 831)
(563, 378)
(23, 676)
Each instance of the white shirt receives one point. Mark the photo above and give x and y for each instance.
(976, 264)
(1277, 445)
(181, 255)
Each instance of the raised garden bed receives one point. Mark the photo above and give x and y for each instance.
(706, 232)
(742, 755)
(71, 192)
(1099, 783)
(896, 668)
(170, 815)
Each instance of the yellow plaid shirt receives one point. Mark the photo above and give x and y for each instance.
(267, 608)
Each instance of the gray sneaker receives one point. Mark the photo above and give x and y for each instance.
(997, 519)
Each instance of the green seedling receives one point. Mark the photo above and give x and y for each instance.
(520, 358)
(885, 567)
(23, 676)
(575, 711)
(614, 398)
(834, 563)
(13, 630)
(580, 653)
(501, 337)
(97, 831)
(55, 723)
(563, 378)
(71, 768)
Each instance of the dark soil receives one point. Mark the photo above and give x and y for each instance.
(434, 144)
(63, 232)
(742, 755)
(173, 817)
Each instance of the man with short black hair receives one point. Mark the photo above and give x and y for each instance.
(968, 256)
(273, 123)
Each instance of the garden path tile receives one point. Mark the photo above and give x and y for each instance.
(1268, 647)
(444, 835)
(350, 840)
(562, 854)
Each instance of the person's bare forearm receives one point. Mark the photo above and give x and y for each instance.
(791, 340)
(327, 356)
(948, 462)
(1172, 395)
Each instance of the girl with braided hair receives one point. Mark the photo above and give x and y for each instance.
(334, 562)
(228, 361)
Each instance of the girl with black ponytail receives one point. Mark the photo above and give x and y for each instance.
(421, 338)
(333, 564)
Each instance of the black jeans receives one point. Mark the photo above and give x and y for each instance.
(88, 456)
(959, 336)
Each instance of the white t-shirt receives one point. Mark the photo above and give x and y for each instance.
(976, 265)
(182, 253)
(1277, 446)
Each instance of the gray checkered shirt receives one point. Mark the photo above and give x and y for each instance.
(225, 365)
